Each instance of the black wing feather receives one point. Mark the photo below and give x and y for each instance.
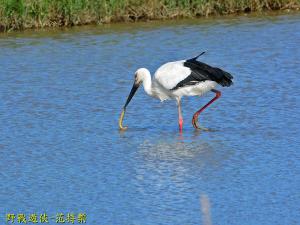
(202, 72)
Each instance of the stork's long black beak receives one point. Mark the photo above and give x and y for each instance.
(131, 94)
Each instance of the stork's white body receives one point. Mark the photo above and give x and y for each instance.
(168, 76)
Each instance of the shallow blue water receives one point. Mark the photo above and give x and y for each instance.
(61, 151)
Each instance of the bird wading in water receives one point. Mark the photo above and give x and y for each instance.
(180, 78)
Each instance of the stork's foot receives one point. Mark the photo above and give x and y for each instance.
(196, 123)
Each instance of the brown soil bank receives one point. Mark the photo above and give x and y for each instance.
(21, 14)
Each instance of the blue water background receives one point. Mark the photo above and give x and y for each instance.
(61, 93)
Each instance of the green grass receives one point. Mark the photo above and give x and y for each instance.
(21, 14)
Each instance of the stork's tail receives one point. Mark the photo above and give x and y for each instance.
(224, 78)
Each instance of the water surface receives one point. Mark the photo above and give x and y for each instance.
(61, 151)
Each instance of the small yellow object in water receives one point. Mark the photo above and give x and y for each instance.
(121, 121)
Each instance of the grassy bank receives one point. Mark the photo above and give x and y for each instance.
(20, 14)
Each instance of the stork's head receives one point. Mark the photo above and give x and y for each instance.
(139, 76)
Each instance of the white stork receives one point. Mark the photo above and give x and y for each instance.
(180, 78)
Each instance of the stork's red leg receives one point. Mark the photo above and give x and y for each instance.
(195, 117)
(180, 119)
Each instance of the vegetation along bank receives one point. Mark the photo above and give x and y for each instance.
(21, 14)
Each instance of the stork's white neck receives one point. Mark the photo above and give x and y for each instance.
(147, 83)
